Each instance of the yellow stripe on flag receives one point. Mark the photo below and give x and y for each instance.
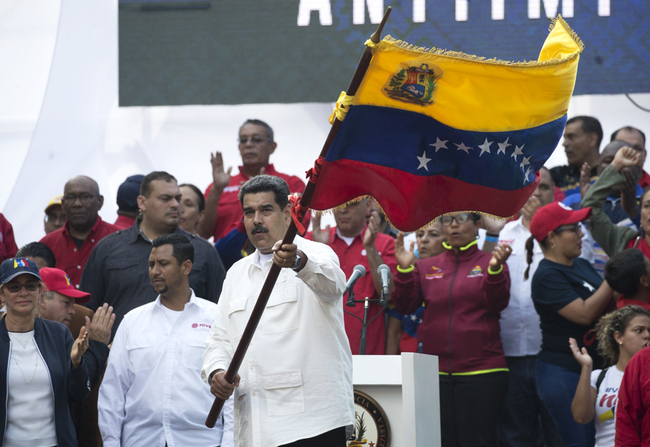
(479, 94)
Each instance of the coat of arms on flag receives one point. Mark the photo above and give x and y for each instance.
(431, 131)
(414, 82)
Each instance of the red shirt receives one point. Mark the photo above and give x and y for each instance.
(229, 211)
(69, 258)
(633, 406)
(8, 247)
(349, 256)
(124, 222)
(622, 302)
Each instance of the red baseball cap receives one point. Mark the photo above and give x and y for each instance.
(554, 215)
(56, 280)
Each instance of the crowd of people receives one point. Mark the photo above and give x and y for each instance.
(120, 334)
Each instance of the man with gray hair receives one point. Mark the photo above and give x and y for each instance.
(295, 387)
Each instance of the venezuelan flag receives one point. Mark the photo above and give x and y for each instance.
(431, 132)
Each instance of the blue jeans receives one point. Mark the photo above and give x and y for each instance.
(525, 422)
(556, 387)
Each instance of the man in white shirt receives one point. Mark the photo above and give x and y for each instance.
(152, 393)
(295, 387)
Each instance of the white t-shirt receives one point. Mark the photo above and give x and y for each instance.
(30, 401)
(606, 405)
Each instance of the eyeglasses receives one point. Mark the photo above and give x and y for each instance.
(84, 197)
(459, 218)
(575, 228)
(15, 287)
(255, 139)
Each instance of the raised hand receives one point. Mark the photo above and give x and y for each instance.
(585, 179)
(405, 258)
(99, 328)
(530, 208)
(322, 236)
(582, 356)
(493, 226)
(625, 158)
(79, 347)
(220, 177)
(372, 230)
(500, 255)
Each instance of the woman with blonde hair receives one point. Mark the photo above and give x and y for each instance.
(40, 363)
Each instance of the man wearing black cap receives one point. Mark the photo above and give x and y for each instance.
(73, 243)
(127, 201)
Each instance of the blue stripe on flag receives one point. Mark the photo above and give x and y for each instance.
(420, 145)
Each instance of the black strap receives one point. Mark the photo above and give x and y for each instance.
(600, 379)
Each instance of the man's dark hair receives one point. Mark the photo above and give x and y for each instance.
(269, 131)
(183, 248)
(199, 194)
(145, 186)
(266, 183)
(624, 270)
(37, 250)
(628, 129)
(589, 124)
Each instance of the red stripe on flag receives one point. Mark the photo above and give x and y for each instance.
(412, 201)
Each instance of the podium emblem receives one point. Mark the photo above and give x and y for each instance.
(371, 427)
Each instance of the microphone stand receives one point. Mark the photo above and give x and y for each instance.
(365, 323)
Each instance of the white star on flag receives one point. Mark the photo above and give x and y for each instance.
(423, 161)
(517, 152)
(485, 147)
(462, 147)
(439, 144)
(503, 146)
(525, 161)
(526, 175)
(413, 318)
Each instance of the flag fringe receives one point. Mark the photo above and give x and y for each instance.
(424, 227)
(568, 29)
(493, 61)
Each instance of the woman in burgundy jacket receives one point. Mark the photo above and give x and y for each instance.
(464, 289)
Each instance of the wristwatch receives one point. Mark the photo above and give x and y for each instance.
(297, 262)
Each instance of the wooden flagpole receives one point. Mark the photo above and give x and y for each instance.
(289, 236)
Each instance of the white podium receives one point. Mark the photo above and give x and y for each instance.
(406, 387)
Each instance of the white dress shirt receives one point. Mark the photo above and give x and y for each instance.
(152, 392)
(520, 332)
(296, 377)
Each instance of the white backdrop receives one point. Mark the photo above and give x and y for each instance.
(59, 115)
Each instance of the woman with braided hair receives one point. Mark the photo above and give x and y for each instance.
(569, 297)
(621, 334)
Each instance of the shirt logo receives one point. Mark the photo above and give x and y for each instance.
(195, 325)
(231, 188)
(436, 273)
(476, 271)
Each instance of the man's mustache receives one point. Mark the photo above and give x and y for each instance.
(259, 229)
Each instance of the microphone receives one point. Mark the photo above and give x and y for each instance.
(357, 273)
(383, 272)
